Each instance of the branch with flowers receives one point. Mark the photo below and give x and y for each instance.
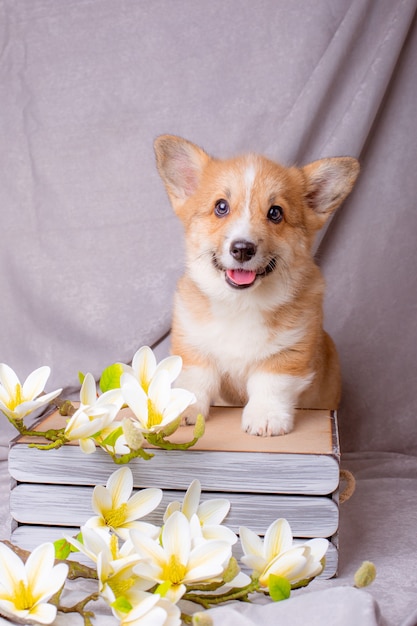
(145, 572)
(145, 387)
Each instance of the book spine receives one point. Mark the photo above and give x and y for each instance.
(304, 474)
(309, 516)
(29, 536)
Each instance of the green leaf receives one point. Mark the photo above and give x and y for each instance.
(81, 377)
(110, 377)
(122, 604)
(111, 439)
(279, 587)
(163, 588)
(62, 549)
(79, 538)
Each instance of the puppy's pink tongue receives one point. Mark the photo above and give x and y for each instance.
(241, 277)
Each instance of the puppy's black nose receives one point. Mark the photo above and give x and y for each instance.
(242, 250)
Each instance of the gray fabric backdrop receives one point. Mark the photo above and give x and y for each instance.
(89, 248)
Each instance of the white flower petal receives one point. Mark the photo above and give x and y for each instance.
(112, 396)
(39, 564)
(179, 400)
(135, 398)
(148, 549)
(252, 544)
(9, 379)
(11, 569)
(101, 500)
(278, 538)
(35, 382)
(191, 499)
(172, 506)
(172, 365)
(218, 532)
(207, 560)
(318, 547)
(43, 613)
(142, 503)
(160, 391)
(146, 602)
(88, 392)
(213, 511)
(144, 365)
(120, 485)
(154, 617)
(289, 564)
(144, 527)
(87, 446)
(175, 593)
(255, 563)
(176, 538)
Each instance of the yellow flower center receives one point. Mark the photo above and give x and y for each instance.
(174, 571)
(154, 416)
(116, 517)
(121, 587)
(17, 399)
(23, 599)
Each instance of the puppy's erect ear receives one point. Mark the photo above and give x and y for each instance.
(180, 164)
(328, 183)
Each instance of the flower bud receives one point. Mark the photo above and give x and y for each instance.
(231, 571)
(134, 437)
(200, 426)
(365, 575)
(202, 619)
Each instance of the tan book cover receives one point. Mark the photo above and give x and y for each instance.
(314, 432)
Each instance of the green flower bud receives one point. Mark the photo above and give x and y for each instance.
(200, 426)
(365, 575)
(202, 619)
(231, 571)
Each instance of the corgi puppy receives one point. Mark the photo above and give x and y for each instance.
(248, 311)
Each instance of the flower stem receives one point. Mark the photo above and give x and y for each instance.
(80, 608)
(237, 593)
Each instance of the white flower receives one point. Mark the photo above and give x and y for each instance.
(150, 610)
(175, 561)
(159, 407)
(89, 397)
(210, 513)
(17, 400)
(116, 510)
(94, 414)
(277, 555)
(114, 564)
(26, 588)
(144, 367)
(87, 422)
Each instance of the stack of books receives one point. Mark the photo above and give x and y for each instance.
(295, 476)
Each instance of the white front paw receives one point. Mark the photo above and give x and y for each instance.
(201, 382)
(266, 422)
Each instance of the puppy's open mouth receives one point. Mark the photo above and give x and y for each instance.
(240, 278)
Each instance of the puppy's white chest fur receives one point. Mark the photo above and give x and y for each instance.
(236, 339)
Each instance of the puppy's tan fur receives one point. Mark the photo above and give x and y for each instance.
(249, 328)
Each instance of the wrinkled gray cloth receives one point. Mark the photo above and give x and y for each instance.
(90, 250)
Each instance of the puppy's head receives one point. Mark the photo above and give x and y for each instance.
(249, 221)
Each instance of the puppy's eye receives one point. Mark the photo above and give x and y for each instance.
(221, 208)
(275, 214)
